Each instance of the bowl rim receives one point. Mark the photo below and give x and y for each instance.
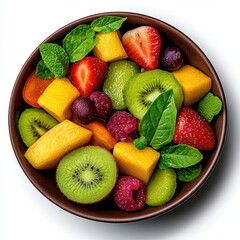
(185, 197)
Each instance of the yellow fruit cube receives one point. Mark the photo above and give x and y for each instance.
(48, 150)
(134, 162)
(58, 97)
(109, 47)
(195, 83)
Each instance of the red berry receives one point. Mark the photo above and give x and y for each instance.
(103, 104)
(192, 129)
(143, 45)
(123, 126)
(88, 74)
(130, 193)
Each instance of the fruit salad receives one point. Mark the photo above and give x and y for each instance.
(118, 114)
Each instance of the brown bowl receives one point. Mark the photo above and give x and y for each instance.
(44, 181)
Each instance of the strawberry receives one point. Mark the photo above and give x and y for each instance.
(192, 129)
(143, 45)
(88, 74)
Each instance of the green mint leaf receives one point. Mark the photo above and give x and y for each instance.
(55, 59)
(158, 123)
(209, 106)
(42, 71)
(79, 42)
(140, 143)
(190, 173)
(107, 24)
(179, 156)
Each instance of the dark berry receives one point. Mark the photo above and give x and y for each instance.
(130, 193)
(172, 58)
(84, 110)
(103, 104)
(123, 126)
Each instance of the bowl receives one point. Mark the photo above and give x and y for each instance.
(44, 181)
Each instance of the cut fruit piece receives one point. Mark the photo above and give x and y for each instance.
(143, 45)
(46, 152)
(134, 162)
(109, 47)
(195, 83)
(33, 89)
(118, 74)
(100, 134)
(87, 175)
(58, 97)
(161, 187)
(143, 88)
(33, 123)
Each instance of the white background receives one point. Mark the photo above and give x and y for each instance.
(26, 214)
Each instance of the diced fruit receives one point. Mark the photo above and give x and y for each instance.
(118, 74)
(143, 88)
(143, 45)
(103, 104)
(88, 74)
(100, 134)
(192, 129)
(47, 151)
(195, 83)
(209, 106)
(33, 89)
(33, 123)
(109, 47)
(161, 187)
(134, 162)
(87, 175)
(84, 110)
(123, 126)
(172, 58)
(58, 97)
(130, 193)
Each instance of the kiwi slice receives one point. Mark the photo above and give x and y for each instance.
(118, 74)
(33, 123)
(87, 175)
(143, 88)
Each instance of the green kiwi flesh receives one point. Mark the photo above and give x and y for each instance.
(33, 123)
(143, 88)
(117, 75)
(87, 175)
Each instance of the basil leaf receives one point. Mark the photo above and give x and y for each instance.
(190, 173)
(42, 71)
(79, 42)
(179, 156)
(158, 123)
(55, 58)
(107, 24)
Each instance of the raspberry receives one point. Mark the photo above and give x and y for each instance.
(103, 104)
(123, 126)
(130, 193)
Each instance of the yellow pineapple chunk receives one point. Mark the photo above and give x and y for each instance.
(47, 151)
(134, 162)
(58, 97)
(195, 83)
(109, 47)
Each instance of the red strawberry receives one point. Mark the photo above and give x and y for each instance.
(143, 46)
(193, 130)
(88, 74)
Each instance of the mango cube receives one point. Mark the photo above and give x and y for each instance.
(134, 162)
(58, 97)
(195, 83)
(48, 150)
(109, 47)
